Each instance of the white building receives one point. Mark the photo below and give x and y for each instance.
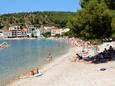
(14, 28)
(15, 32)
(66, 30)
(1, 34)
(7, 34)
(56, 31)
(48, 28)
(59, 31)
(30, 30)
(37, 33)
(33, 31)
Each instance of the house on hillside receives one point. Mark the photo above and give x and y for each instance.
(32, 31)
(1, 34)
(15, 32)
(14, 28)
(7, 34)
(24, 32)
(48, 28)
(36, 33)
(58, 31)
(66, 30)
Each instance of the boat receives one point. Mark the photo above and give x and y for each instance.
(4, 45)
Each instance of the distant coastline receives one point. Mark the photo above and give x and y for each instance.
(54, 38)
(19, 38)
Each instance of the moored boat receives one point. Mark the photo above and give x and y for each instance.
(4, 45)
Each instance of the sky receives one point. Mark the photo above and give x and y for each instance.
(15, 6)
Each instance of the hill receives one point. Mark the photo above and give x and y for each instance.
(58, 19)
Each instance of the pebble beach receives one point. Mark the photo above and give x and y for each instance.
(63, 72)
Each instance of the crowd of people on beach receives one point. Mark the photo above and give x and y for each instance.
(85, 51)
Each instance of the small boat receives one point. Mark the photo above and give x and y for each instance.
(4, 45)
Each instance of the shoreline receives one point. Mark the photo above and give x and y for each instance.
(42, 65)
(63, 72)
(20, 38)
(45, 67)
(48, 66)
(53, 38)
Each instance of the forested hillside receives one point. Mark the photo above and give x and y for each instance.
(95, 20)
(58, 19)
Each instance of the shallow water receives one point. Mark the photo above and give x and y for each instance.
(23, 55)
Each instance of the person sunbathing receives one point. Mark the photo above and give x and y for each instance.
(33, 73)
(28, 74)
(36, 71)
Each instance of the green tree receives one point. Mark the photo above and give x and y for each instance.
(109, 3)
(69, 24)
(47, 34)
(93, 21)
(113, 27)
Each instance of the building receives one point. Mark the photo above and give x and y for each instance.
(7, 34)
(59, 31)
(36, 33)
(14, 28)
(24, 32)
(33, 31)
(46, 29)
(55, 31)
(30, 30)
(15, 32)
(66, 30)
(1, 34)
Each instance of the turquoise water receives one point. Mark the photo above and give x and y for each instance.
(22, 55)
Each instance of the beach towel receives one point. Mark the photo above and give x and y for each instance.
(39, 74)
(36, 75)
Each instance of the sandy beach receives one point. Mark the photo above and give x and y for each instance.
(63, 72)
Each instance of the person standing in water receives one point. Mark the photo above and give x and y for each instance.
(49, 57)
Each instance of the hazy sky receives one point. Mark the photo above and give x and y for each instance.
(11, 6)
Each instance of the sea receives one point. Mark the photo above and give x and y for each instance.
(22, 55)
